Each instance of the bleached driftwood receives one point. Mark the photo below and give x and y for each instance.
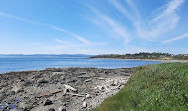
(79, 95)
(100, 78)
(84, 104)
(86, 76)
(106, 88)
(69, 87)
(116, 87)
(87, 80)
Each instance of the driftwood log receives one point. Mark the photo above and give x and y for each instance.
(87, 76)
(87, 80)
(79, 95)
(51, 93)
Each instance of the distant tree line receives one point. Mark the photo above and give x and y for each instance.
(145, 55)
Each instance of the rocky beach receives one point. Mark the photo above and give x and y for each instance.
(60, 89)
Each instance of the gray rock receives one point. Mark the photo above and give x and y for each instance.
(62, 108)
(19, 91)
(27, 105)
(43, 81)
(48, 102)
(26, 83)
(11, 93)
(51, 109)
(2, 96)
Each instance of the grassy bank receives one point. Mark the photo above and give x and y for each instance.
(161, 87)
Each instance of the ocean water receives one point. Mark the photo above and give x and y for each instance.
(38, 62)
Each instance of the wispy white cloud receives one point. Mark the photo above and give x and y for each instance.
(169, 9)
(121, 8)
(3, 14)
(165, 20)
(175, 38)
(81, 39)
(78, 37)
(61, 41)
(112, 26)
(84, 43)
(127, 12)
(161, 21)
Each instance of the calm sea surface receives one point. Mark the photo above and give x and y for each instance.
(37, 62)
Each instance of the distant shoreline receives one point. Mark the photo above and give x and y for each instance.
(146, 59)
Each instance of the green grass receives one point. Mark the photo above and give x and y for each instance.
(161, 87)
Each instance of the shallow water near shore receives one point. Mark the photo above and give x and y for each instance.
(38, 62)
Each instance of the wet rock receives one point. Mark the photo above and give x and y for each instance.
(21, 80)
(43, 81)
(26, 109)
(17, 89)
(51, 109)
(97, 93)
(37, 76)
(55, 76)
(11, 93)
(20, 91)
(2, 96)
(63, 110)
(48, 102)
(14, 110)
(26, 83)
(106, 72)
(83, 73)
(71, 80)
(5, 107)
(27, 105)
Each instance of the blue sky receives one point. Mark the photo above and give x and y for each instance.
(93, 26)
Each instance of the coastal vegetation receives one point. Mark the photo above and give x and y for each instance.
(146, 55)
(160, 87)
